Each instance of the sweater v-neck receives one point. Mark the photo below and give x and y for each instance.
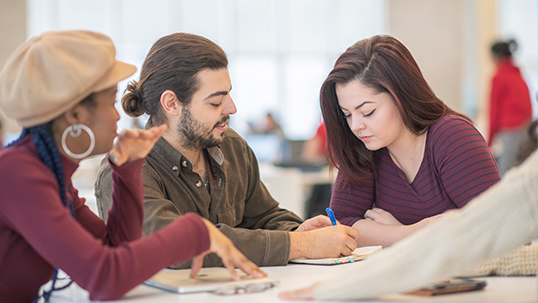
(400, 171)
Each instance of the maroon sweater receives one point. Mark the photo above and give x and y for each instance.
(457, 166)
(38, 233)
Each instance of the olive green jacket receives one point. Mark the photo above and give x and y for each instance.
(240, 205)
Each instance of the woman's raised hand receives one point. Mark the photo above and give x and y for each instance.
(135, 144)
(231, 257)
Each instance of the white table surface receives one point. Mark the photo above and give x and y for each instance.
(499, 289)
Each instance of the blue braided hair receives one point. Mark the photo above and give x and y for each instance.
(49, 154)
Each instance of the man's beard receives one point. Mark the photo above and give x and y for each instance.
(194, 135)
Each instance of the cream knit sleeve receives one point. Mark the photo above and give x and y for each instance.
(520, 262)
(498, 221)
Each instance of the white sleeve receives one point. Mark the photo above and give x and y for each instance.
(496, 222)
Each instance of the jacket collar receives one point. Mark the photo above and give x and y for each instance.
(175, 160)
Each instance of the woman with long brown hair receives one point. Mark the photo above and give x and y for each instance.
(403, 155)
(378, 76)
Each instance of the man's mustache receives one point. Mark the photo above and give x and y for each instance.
(224, 119)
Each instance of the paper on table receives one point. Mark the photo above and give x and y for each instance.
(358, 254)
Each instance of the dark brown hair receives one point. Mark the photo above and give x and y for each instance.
(383, 64)
(171, 64)
(504, 49)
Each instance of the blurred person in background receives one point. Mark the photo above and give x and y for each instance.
(510, 105)
(315, 152)
(269, 126)
(315, 149)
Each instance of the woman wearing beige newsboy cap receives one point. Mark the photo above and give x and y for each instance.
(61, 88)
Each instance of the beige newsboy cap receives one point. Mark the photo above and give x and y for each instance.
(51, 73)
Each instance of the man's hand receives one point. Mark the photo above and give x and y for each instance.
(381, 216)
(327, 242)
(230, 255)
(135, 144)
(315, 223)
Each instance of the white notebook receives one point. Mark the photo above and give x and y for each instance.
(210, 279)
(358, 254)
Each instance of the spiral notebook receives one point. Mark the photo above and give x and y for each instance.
(210, 279)
(358, 254)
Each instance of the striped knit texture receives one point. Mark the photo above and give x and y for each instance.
(457, 166)
(498, 221)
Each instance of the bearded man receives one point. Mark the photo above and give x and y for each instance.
(202, 166)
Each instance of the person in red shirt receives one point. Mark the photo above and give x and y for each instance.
(315, 149)
(510, 105)
(61, 88)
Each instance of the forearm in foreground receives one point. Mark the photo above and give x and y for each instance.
(501, 219)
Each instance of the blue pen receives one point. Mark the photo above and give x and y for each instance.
(331, 215)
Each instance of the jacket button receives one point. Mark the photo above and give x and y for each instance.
(184, 163)
(175, 168)
(199, 183)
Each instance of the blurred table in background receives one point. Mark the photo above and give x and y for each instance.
(291, 186)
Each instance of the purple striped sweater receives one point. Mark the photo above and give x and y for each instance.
(457, 166)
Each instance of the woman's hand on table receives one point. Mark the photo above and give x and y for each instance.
(231, 257)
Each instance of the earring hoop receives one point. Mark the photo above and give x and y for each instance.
(75, 131)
